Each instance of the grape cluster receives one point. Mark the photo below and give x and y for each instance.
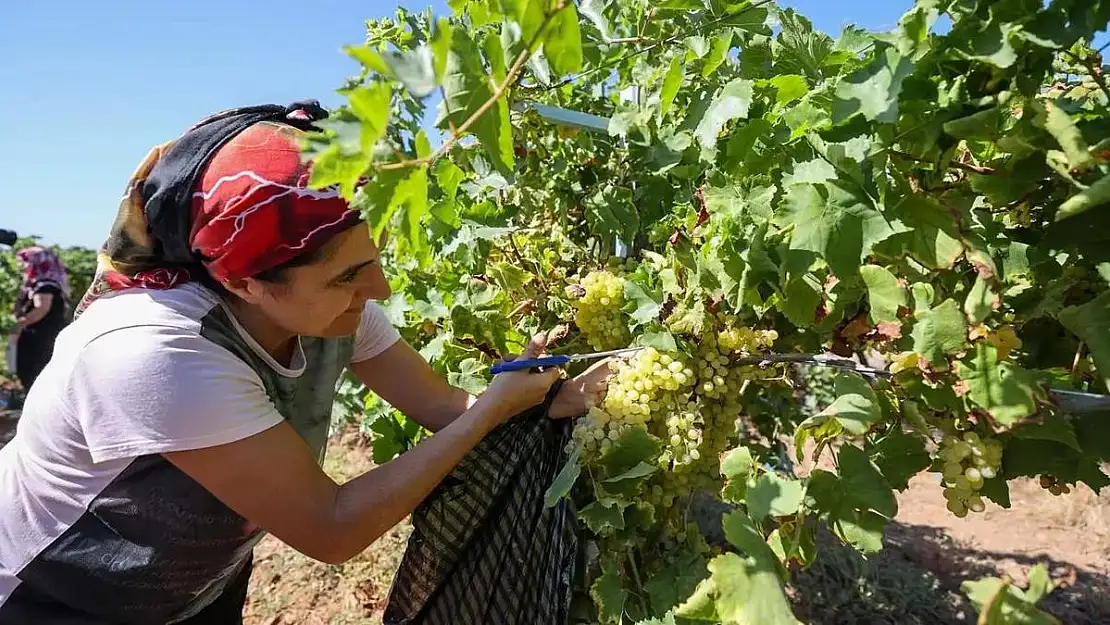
(968, 461)
(598, 312)
(1054, 486)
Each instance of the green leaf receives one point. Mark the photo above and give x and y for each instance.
(672, 82)
(643, 304)
(564, 481)
(634, 446)
(389, 192)
(1061, 126)
(1003, 389)
(789, 88)
(441, 47)
(1040, 583)
(603, 516)
(677, 581)
(997, 490)
(836, 220)
(998, 601)
(718, 52)
(611, 212)
(900, 456)
(939, 332)
(639, 471)
(738, 464)
(800, 300)
(608, 593)
(774, 495)
(992, 45)
(702, 605)
(469, 376)
(563, 47)
(863, 484)
(448, 176)
(371, 105)
(416, 69)
(368, 58)
(885, 293)
(466, 88)
(817, 170)
(662, 341)
(1095, 195)
(528, 15)
(1091, 323)
(873, 91)
(855, 407)
(981, 301)
(748, 592)
(863, 530)
(1051, 428)
(732, 102)
(594, 10)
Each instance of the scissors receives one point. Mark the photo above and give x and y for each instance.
(555, 361)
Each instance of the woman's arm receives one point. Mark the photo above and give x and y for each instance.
(41, 303)
(402, 377)
(273, 480)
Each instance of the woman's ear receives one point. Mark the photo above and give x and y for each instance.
(247, 289)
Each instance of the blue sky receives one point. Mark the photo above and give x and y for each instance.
(89, 87)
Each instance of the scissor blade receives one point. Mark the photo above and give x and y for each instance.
(615, 352)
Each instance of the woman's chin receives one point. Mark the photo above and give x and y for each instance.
(344, 325)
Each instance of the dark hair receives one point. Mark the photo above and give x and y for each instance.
(280, 273)
(275, 275)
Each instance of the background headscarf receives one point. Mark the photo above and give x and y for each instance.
(41, 268)
(229, 198)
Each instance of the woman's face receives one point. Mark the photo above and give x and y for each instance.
(327, 297)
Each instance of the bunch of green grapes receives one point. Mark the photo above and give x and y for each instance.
(1054, 486)
(598, 312)
(967, 463)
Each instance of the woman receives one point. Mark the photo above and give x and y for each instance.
(41, 311)
(187, 407)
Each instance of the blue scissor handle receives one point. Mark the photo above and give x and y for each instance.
(517, 365)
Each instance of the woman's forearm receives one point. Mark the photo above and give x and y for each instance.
(369, 505)
(42, 303)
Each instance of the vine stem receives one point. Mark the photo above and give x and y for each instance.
(1075, 362)
(636, 578)
(975, 169)
(510, 79)
(765, 360)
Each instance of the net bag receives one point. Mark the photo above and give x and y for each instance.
(484, 549)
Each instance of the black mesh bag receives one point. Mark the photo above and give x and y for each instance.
(484, 549)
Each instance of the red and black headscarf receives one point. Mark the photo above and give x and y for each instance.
(229, 198)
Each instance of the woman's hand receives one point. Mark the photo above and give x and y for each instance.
(578, 395)
(516, 391)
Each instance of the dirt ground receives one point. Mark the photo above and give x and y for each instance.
(914, 580)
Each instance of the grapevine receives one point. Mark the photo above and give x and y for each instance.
(923, 208)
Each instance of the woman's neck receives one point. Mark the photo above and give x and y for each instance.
(278, 343)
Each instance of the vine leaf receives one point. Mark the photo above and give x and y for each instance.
(836, 220)
(563, 44)
(1063, 129)
(938, 332)
(1051, 428)
(634, 446)
(1095, 195)
(731, 103)
(981, 301)
(416, 69)
(1003, 389)
(603, 516)
(884, 292)
(608, 592)
(863, 529)
(855, 407)
(672, 82)
(864, 486)
(800, 300)
(873, 91)
(643, 304)
(900, 456)
(466, 87)
(774, 495)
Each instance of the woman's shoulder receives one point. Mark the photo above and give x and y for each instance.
(184, 307)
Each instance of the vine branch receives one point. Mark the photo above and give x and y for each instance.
(510, 78)
(1095, 72)
(824, 360)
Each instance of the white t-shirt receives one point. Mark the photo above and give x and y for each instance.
(93, 519)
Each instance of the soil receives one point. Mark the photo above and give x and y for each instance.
(915, 579)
